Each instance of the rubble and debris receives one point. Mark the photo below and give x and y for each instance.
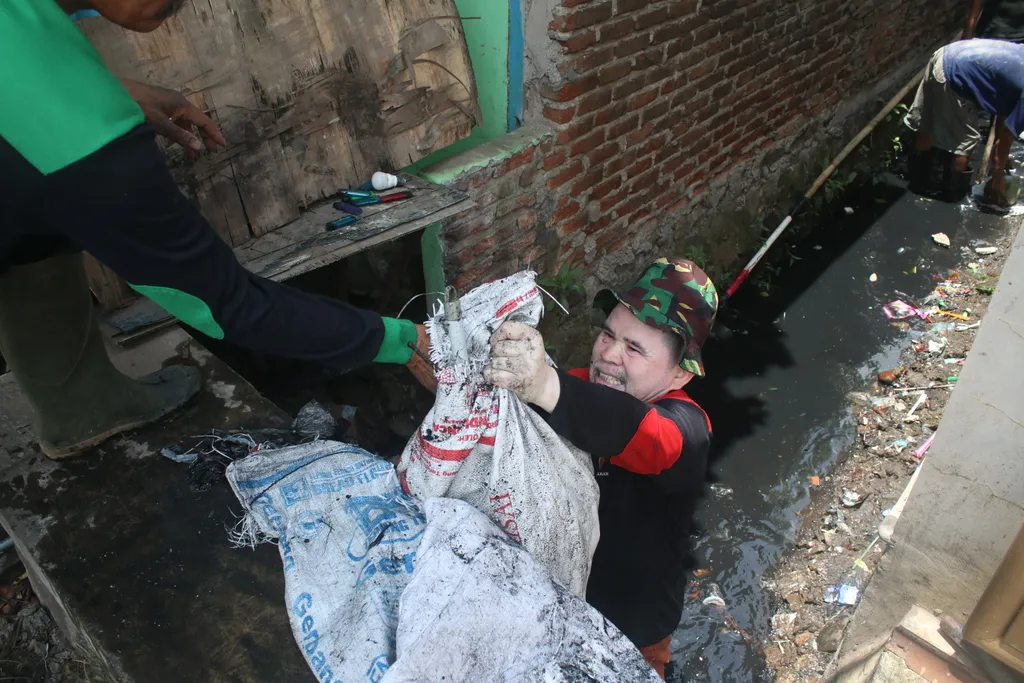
(818, 584)
(713, 595)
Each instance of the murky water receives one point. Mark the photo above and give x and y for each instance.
(776, 395)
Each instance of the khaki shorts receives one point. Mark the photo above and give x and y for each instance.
(941, 114)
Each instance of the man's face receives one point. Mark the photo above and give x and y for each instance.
(633, 357)
(142, 16)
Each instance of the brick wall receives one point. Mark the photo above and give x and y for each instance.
(666, 114)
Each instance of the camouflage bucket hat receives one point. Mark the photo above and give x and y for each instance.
(674, 295)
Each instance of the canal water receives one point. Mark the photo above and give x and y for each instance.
(776, 393)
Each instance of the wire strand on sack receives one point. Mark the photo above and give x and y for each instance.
(417, 296)
(557, 302)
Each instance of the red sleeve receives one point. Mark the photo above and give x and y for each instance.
(654, 448)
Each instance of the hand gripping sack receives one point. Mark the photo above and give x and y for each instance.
(480, 444)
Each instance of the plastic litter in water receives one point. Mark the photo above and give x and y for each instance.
(848, 210)
(721, 490)
(874, 277)
(815, 480)
(713, 595)
(986, 250)
(844, 595)
(852, 499)
(898, 310)
(941, 238)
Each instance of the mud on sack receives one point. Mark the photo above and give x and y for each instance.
(347, 535)
(482, 445)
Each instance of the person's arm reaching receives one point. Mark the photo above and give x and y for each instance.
(173, 116)
(971, 20)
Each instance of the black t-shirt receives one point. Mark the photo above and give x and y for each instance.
(1002, 20)
(650, 462)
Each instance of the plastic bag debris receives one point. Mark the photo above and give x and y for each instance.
(815, 480)
(941, 238)
(713, 595)
(985, 251)
(852, 499)
(208, 455)
(873, 277)
(898, 310)
(844, 595)
(720, 490)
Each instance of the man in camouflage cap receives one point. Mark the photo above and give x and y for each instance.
(648, 439)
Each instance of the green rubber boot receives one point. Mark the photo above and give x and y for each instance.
(53, 346)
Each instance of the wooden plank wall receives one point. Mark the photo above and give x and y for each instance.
(312, 95)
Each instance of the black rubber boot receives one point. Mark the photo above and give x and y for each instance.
(919, 172)
(50, 339)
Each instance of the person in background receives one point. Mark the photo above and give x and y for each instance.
(996, 20)
(81, 169)
(960, 79)
(649, 441)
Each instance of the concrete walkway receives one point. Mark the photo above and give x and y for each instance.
(968, 503)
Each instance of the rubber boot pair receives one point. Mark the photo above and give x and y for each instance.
(52, 344)
(932, 174)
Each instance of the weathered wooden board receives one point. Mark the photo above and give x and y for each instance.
(305, 245)
(312, 95)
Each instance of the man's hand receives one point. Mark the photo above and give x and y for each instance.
(174, 117)
(518, 363)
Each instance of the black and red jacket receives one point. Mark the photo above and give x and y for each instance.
(650, 461)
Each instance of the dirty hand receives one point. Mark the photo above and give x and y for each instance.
(173, 116)
(518, 363)
(418, 365)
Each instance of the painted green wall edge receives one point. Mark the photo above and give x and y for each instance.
(433, 265)
(487, 40)
(498, 149)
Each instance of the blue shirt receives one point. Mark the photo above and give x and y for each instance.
(990, 73)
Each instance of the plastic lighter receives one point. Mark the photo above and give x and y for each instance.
(341, 222)
(395, 196)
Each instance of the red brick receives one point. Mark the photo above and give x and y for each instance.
(559, 115)
(638, 136)
(574, 225)
(581, 18)
(656, 110)
(639, 167)
(614, 72)
(580, 41)
(623, 6)
(616, 29)
(611, 201)
(624, 126)
(527, 177)
(518, 160)
(658, 74)
(585, 144)
(706, 32)
(580, 127)
(570, 90)
(565, 213)
(651, 17)
(620, 162)
(554, 159)
(587, 181)
(609, 185)
(610, 113)
(527, 219)
(627, 88)
(643, 99)
(652, 145)
(574, 168)
(682, 8)
(603, 153)
(593, 59)
(595, 100)
(574, 3)
(597, 226)
(632, 45)
(507, 206)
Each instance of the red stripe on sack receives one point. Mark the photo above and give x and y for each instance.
(444, 453)
(486, 441)
(511, 305)
(654, 448)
